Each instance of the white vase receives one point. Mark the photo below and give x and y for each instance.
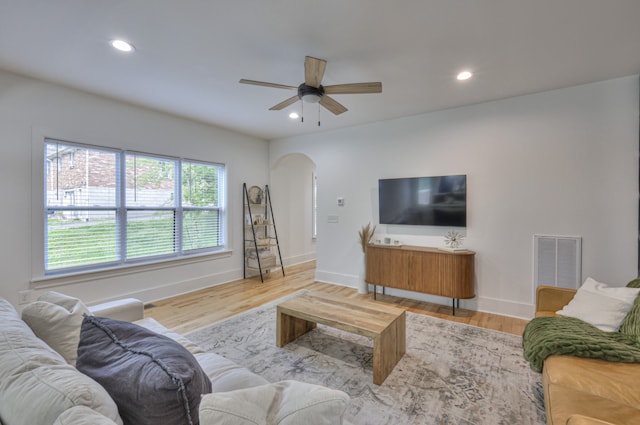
(363, 286)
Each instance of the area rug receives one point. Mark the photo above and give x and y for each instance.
(451, 373)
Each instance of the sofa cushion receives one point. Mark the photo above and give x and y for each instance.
(159, 328)
(600, 305)
(282, 403)
(36, 383)
(152, 378)
(82, 415)
(226, 375)
(562, 403)
(56, 319)
(611, 380)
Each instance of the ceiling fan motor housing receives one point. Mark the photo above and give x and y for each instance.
(310, 94)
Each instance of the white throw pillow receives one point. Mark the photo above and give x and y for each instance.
(600, 305)
(56, 319)
(36, 384)
(281, 403)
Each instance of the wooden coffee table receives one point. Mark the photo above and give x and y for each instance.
(383, 323)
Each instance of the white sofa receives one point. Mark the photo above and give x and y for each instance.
(39, 385)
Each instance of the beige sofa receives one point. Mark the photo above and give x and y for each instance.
(39, 385)
(581, 391)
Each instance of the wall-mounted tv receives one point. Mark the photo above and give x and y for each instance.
(424, 201)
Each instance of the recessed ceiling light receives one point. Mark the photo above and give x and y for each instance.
(294, 115)
(464, 75)
(122, 45)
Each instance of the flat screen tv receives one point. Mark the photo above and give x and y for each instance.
(424, 201)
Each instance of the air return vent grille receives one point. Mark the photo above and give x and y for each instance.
(557, 261)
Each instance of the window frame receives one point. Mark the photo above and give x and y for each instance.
(121, 210)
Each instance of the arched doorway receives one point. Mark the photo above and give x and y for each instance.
(292, 192)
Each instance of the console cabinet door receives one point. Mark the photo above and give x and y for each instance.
(388, 267)
(425, 272)
(442, 274)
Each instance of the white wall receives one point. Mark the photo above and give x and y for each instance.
(31, 109)
(562, 162)
(291, 192)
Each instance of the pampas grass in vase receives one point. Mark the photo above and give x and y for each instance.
(366, 233)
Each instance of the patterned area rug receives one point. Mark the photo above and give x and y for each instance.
(451, 373)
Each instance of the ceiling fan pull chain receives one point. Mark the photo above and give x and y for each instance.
(301, 111)
(318, 115)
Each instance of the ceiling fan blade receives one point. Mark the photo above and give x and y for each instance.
(355, 88)
(314, 71)
(332, 105)
(261, 83)
(285, 103)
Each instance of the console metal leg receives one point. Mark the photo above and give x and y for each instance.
(375, 291)
(455, 303)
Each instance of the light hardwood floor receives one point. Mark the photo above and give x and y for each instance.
(195, 310)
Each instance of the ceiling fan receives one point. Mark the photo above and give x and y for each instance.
(312, 91)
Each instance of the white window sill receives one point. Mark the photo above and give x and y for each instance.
(124, 270)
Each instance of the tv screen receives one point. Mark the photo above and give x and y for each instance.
(424, 201)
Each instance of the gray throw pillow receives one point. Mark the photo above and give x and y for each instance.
(152, 378)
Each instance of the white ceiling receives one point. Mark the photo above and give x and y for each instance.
(191, 53)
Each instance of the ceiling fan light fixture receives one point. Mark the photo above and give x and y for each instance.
(310, 94)
(122, 45)
(464, 75)
(311, 98)
(294, 116)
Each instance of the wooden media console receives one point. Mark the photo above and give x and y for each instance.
(422, 269)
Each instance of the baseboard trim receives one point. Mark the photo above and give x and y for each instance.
(202, 282)
(299, 259)
(337, 278)
(479, 303)
(507, 308)
(174, 289)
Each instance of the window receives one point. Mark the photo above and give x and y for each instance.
(116, 207)
(200, 205)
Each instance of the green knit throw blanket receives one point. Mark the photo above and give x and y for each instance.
(547, 336)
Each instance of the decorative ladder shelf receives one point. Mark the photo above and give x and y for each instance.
(259, 234)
